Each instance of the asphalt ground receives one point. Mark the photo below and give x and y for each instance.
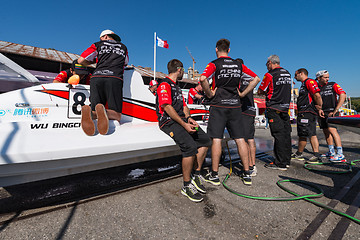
(157, 210)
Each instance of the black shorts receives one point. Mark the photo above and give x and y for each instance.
(306, 124)
(248, 126)
(224, 117)
(106, 90)
(188, 143)
(323, 122)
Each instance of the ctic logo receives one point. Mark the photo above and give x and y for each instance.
(2, 113)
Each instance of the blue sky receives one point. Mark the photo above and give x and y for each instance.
(312, 34)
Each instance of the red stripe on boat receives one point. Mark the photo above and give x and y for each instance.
(139, 112)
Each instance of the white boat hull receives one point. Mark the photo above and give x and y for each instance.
(41, 135)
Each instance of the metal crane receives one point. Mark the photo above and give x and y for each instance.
(193, 74)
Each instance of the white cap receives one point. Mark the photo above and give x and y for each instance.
(111, 34)
(321, 73)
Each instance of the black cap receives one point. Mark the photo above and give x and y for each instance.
(78, 68)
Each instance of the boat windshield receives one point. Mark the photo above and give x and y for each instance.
(8, 74)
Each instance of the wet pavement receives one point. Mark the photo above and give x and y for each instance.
(130, 203)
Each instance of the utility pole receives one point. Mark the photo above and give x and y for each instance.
(193, 75)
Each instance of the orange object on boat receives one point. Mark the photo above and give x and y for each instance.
(74, 79)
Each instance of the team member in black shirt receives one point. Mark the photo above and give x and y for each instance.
(175, 120)
(309, 104)
(75, 68)
(225, 106)
(276, 85)
(111, 57)
(329, 92)
(248, 118)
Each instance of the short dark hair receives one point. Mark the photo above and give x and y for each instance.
(173, 65)
(223, 45)
(303, 70)
(240, 60)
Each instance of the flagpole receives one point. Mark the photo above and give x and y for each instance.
(155, 56)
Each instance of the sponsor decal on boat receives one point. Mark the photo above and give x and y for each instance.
(31, 112)
(55, 125)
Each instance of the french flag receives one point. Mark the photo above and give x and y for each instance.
(161, 43)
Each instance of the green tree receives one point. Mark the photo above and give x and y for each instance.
(355, 102)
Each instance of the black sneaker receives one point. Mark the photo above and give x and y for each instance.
(191, 192)
(295, 156)
(314, 159)
(246, 178)
(212, 179)
(197, 181)
(274, 166)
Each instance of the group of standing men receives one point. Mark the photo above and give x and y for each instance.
(229, 85)
(318, 100)
(231, 106)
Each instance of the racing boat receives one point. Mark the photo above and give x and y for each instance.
(350, 123)
(41, 135)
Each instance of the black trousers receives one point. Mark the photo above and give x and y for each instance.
(280, 128)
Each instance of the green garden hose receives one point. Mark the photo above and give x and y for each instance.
(297, 196)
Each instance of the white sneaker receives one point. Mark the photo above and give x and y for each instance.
(253, 172)
(337, 158)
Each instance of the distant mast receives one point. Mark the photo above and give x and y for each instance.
(155, 56)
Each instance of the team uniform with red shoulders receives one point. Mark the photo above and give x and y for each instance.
(277, 86)
(225, 106)
(168, 92)
(191, 96)
(329, 94)
(64, 76)
(107, 81)
(247, 104)
(306, 118)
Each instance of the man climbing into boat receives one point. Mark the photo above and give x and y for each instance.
(329, 92)
(77, 69)
(106, 85)
(175, 120)
(225, 110)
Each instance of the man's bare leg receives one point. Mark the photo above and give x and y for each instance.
(200, 157)
(216, 154)
(252, 151)
(187, 165)
(243, 152)
(314, 143)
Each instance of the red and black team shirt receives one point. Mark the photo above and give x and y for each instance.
(305, 102)
(329, 94)
(111, 57)
(226, 77)
(168, 92)
(277, 86)
(191, 96)
(64, 76)
(247, 102)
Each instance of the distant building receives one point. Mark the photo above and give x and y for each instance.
(46, 63)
